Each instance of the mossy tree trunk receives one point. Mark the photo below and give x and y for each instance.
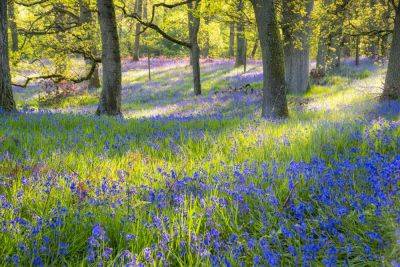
(110, 100)
(274, 90)
(86, 17)
(13, 26)
(6, 96)
(392, 83)
(297, 44)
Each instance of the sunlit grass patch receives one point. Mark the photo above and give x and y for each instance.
(204, 180)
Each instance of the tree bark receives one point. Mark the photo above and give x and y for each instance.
(297, 58)
(86, 17)
(384, 44)
(194, 26)
(254, 50)
(321, 54)
(231, 39)
(110, 100)
(13, 26)
(136, 45)
(94, 81)
(206, 49)
(240, 39)
(6, 96)
(392, 83)
(274, 90)
(357, 50)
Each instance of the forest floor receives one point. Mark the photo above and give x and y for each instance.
(203, 180)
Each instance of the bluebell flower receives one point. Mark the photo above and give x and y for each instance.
(107, 253)
(38, 262)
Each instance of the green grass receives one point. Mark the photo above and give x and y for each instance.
(90, 148)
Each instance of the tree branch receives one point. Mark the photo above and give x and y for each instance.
(151, 25)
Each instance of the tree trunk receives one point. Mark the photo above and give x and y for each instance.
(392, 83)
(384, 44)
(206, 49)
(231, 39)
(85, 16)
(110, 100)
(94, 81)
(321, 54)
(136, 45)
(254, 50)
(297, 59)
(6, 96)
(145, 4)
(274, 91)
(13, 26)
(149, 64)
(357, 50)
(338, 53)
(194, 26)
(240, 39)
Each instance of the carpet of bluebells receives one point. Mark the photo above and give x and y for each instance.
(204, 182)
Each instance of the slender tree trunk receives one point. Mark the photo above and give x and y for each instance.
(6, 96)
(110, 102)
(240, 39)
(339, 51)
(206, 49)
(145, 5)
(254, 50)
(245, 56)
(136, 45)
(274, 90)
(384, 44)
(94, 81)
(392, 83)
(86, 17)
(194, 26)
(231, 39)
(385, 38)
(149, 64)
(297, 59)
(13, 26)
(357, 50)
(321, 55)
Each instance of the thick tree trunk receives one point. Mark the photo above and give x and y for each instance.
(297, 59)
(136, 45)
(110, 102)
(6, 96)
(194, 26)
(240, 39)
(231, 39)
(392, 83)
(274, 90)
(13, 26)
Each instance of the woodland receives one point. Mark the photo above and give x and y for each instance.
(200, 133)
